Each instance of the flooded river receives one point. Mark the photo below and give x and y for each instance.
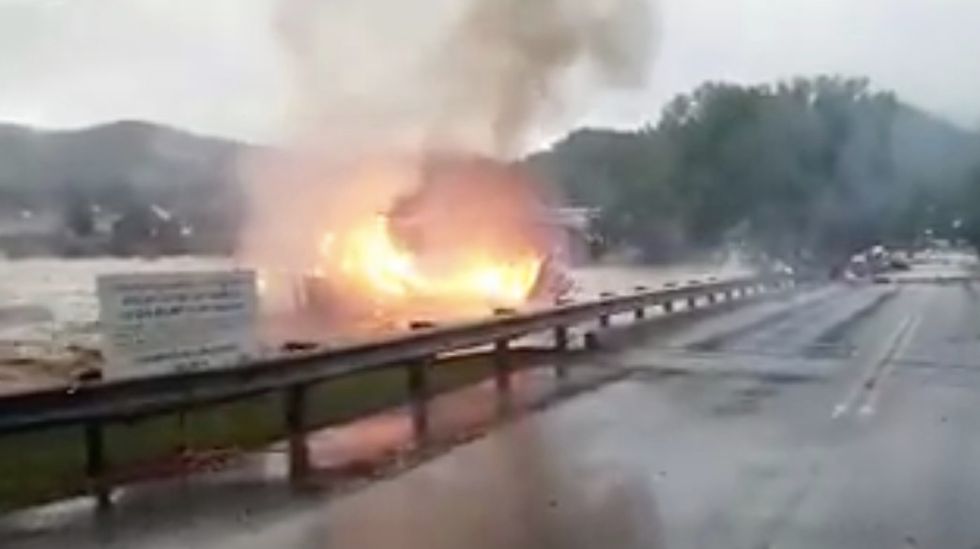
(49, 312)
(53, 300)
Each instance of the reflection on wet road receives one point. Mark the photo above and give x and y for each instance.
(846, 418)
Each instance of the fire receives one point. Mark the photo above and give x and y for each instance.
(368, 260)
(392, 238)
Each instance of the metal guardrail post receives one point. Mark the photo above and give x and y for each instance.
(561, 332)
(692, 302)
(502, 369)
(299, 456)
(561, 338)
(95, 466)
(418, 394)
(502, 366)
(418, 388)
(604, 318)
(668, 306)
(640, 313)
(561, 345)
(592, 341)
(712, 298)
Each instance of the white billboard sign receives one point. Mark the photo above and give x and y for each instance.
(166, 322)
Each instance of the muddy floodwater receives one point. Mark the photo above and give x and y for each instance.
(54, 299)
(47, 305)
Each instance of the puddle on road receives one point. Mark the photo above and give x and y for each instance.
(749, 399)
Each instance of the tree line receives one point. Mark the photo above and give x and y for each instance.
(810, 170)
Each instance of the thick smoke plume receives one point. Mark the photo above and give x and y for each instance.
(472, 74)
(383, 86)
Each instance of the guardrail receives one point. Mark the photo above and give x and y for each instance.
(926, 279)
(96, 405)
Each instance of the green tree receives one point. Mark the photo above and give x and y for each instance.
(807, 169)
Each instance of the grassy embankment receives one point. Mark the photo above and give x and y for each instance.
(45, 466)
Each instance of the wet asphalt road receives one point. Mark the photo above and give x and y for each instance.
(846, 417)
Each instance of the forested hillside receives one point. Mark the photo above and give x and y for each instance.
(805, 170)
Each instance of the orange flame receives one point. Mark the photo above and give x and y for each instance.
(367, 259)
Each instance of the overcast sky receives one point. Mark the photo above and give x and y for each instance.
(214, 66)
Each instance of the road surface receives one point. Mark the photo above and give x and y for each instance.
(846, 417)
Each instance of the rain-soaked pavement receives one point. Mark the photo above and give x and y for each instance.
(846, 417)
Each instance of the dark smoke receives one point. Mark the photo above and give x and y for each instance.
(509, 61)
(464, 74)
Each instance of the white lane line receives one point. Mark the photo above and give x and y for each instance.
(867, 381)
(855, 393)
(874, 395)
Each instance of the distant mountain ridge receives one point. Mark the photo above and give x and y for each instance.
(118, 170)
(141, 155)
